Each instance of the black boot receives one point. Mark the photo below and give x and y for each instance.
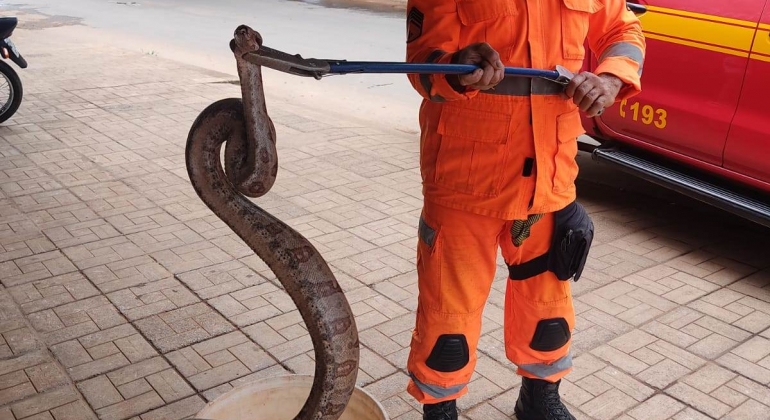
(446, 410)
(539, 400)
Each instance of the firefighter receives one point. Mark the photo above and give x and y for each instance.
(497, 158)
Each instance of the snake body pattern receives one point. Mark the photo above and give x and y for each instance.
(251, 166)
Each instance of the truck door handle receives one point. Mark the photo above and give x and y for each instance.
(638, 9)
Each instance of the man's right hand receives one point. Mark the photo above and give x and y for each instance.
(483, 55)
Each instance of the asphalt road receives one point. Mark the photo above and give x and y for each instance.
(198, 32)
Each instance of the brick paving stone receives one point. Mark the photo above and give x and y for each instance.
(168, 194)
(385, 232)
(220, 279)
(71, 169)
(659, 407)
(387, 387)
(697, 263)
(589, 338)
(211, 227)
(17, 338)
(374, 365)
(139, 174)
(709, 378)
(165, 238)
(232, 245)
(102, 190)
(75, 319)
(135, 389)
(220, 360)
(81, 232)
(20, 238)
(617, 358)
(54, 291)
(124, 273)
(703, 335)
(139, 220)
(749, 410)
(152, 298)
(397, 405)
(342, 244)
(178, 410)
(251, 305)
(374, 266)
(745, 367)
(102, 252)
(191, 257)
(691, 414)
(102, 352)
(625, 383)
(45, 200)
(77, 217)
(291, 348)
(696, 398)
(185, 209)
(113, 206)
(26, 180)
(184, 326)
(60, 403)
(479, 390)
(28, 375)
(756, 285)
(663, 373)
(608, 405)
(35, 267)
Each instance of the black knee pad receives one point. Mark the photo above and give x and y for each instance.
(550, 334)
(450, 353)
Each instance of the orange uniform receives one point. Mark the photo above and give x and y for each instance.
(492, 159)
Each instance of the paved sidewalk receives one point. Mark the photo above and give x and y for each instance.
(123, 297)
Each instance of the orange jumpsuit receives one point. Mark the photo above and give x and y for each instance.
(489, 161)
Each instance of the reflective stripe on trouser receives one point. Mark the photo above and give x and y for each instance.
(456, 265)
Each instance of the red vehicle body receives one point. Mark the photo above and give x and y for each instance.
(701, 123)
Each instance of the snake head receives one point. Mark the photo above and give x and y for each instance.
(245, 40)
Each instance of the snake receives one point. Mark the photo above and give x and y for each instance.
(250, 171)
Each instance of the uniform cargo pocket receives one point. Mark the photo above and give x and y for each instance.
(486, 21)
(472, 150)
(574, 26)
(429, 259)
(568, 127)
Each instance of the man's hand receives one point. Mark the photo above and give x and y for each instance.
(592, 93)
(483, 55)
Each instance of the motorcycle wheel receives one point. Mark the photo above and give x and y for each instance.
(9, 104)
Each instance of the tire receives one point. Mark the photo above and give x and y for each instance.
(15, 84)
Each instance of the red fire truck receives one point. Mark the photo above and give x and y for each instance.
(701, 125)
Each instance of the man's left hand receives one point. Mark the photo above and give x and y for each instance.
(592, 93)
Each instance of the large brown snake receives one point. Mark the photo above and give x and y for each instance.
(251, 166)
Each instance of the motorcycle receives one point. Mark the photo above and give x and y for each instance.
(11, 90)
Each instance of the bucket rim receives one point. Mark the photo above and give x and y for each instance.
(292, 378)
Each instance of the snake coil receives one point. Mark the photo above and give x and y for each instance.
(251, 166)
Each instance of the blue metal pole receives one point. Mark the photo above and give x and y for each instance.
(345, 67)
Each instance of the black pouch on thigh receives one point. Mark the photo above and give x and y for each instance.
(572, 237)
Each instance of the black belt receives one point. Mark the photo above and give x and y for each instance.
(525, 86)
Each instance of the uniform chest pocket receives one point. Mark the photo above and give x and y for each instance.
(486, 21)
(575, 15)
(472, 150)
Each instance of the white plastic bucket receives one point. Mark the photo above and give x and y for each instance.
(281, 398)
